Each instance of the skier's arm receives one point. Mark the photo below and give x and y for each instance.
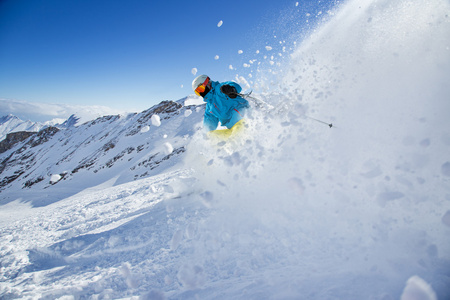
(231, 89)
(210, 122)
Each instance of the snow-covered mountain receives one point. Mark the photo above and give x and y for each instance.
(11, 123)
(148, 206)
(118, 148)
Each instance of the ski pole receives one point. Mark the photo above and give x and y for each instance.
(262, 103)
(259, 103)
(329, 124)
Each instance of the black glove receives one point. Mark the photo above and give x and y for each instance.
(229, 90)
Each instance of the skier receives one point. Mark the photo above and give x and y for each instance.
(223, 102)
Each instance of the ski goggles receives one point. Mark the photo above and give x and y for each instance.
(201, 88)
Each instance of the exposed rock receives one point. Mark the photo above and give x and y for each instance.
(14, 138)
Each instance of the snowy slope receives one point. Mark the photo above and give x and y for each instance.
(291, 210)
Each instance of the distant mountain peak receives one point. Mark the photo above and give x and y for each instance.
(12, 123)
(7, 118)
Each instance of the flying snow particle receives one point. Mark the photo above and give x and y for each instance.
(182, 86)
(296, 3)
(168, 148)
(230, 67)
(191, 276)
(187, 113)
(216, 57)
(145, 129)
(240, 52)
(220, 23)
(190, 231)
(176, 240)
(246, 66)
(207, 198)
(418, 289)
(156, 120)
(242, 81)
(194, 71)
(268, 48)
(131, 279)
(125, 269)
(257, 51)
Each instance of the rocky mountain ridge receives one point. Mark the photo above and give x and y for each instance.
(117, 148)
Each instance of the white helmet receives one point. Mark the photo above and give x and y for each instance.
(198, 81)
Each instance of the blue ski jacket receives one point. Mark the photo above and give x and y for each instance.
(220, 107)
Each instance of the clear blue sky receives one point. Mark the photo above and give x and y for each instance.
(133, 54)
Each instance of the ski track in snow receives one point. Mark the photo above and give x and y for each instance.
(290, 210)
